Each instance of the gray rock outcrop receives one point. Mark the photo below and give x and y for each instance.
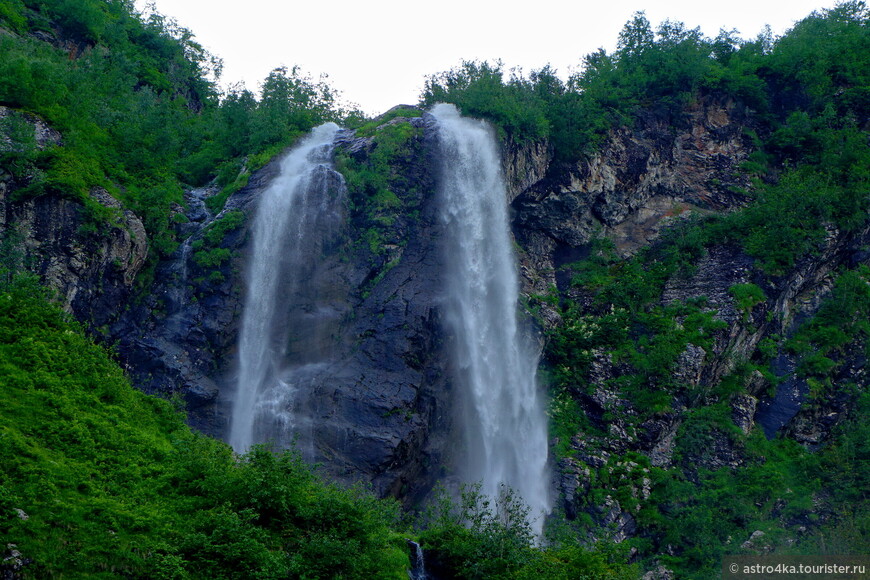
(88, 251)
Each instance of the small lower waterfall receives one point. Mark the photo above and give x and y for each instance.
(418, 565)
(504, 420)
(293, 214)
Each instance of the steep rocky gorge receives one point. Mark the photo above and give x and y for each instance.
(381, 410)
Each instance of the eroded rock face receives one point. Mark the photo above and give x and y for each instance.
(524, 165)
(89, 252)
(43, 135)
(640, 180)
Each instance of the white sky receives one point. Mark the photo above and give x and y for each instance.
(377, 53)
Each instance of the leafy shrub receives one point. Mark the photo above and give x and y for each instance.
(115, 484)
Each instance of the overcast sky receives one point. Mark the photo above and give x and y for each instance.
(377, 53)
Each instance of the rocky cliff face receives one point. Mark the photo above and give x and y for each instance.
(90, 261)
(641, 181)
(381, 409)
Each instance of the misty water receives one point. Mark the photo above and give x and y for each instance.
(296, 210)
(503, 418)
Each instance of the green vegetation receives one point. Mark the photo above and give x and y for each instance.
(810, 182)
(697, 507)
(369, 128)
(136, 104)
(627, 321)
(114, 484)
(841, 321)
(478, 90)
(818, 68)
(746, 296)
(102, 481)
(479, 538)
(375, 183)
(208, 251)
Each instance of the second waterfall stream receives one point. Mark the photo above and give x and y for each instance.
(293, 215)
(503, 416)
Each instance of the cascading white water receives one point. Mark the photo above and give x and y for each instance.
(504, 420)
(290, 213)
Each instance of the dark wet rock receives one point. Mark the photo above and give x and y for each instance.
(87, 251)
(13, 564)
(365, 347)
(617, 524)
(658, 437)
(573, 484)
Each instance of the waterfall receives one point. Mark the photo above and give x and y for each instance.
(293, 215)
(503, 416)
(418, 565)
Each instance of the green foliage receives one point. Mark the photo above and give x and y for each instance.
(116, 105)
(772, 490)
(115, 484)
(478, 90)
(375, 183)
(700, 428)
(290, 103)
(18, 151)
(746, 296)
(212, 258)
(219, 228)
(566, 419)
(822, 60)
(481, 537)
(12, 15)
(627, 320)
(208, 250)
(138, 108)
(820, 64)
(842, 319)
(369, 128)
(810, 161)
(704, 513)
(788, 219)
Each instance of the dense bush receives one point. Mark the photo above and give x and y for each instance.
(479, 537)
(114, 484)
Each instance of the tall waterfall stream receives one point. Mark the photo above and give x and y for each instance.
(292, 215)
(503, 416)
